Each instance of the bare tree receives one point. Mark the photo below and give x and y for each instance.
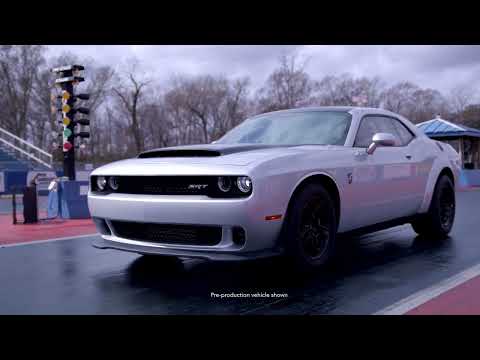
(157, 123)
(345, 90)
(428, 104)
(471, 115)
(235, 107)
(130, 94)
(413, 102)
(287, 87)
(42, 121)
(207, 105)
(400, 98)
(19, 68)
(98, 87)
(460, 97)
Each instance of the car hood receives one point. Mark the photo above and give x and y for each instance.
(203, 159)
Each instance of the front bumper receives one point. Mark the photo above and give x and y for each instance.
(112, 242)
(248, 213)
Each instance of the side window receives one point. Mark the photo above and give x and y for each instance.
(371, 125)
(375, 124)
(365, 132)
(385, 125)
(404, 135)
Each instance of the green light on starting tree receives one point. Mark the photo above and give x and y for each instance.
(67, 133)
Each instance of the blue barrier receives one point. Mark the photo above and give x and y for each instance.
(73, 199)
(14, 179)
(470, 177)
(68, 200)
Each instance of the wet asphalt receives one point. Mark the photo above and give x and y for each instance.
(369, 273)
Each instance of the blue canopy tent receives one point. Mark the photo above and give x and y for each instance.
(465, 140)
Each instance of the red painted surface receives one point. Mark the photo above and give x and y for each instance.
(461, 300)
(43, 230)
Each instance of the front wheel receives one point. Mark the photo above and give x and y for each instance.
(438, 221)
(310, 228)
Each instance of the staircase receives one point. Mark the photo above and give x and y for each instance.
(17, 154)
(8, 162)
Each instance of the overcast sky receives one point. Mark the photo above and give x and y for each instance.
(437, 66)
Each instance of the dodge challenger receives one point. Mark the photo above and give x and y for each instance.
(280, 183)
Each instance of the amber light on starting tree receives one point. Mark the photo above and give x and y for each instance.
(66, 95)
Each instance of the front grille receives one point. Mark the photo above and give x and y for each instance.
(169, 185)
(165, 185)
(168, 233)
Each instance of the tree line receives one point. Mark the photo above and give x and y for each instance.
(132, 111)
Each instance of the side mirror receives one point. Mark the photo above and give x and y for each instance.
(381, 139)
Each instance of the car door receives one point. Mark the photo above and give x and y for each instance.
(420, 165)
(380, 187)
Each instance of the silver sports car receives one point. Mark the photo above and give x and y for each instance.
(286, 182)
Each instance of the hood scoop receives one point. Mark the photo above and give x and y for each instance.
(210, 150)
(178, 153)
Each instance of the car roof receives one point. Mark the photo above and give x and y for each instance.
(323, 108)
(351, 109)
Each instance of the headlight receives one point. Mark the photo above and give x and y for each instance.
(244, 184)
(224, 183)
(113, 182)
(101, 183)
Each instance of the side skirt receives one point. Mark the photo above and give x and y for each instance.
(377, 227)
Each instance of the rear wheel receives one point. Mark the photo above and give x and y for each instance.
(438, 221)
(310, 228)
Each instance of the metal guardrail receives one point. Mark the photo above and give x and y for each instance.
(31, 151)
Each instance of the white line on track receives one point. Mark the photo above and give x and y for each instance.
(403, 306)
(49, 240)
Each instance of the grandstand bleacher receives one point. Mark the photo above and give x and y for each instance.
(9, 161)
(18, 159)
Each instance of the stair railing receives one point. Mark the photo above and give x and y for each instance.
(31, 151)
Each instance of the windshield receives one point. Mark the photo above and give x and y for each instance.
(292, 128)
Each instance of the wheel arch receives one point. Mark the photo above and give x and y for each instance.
(327, 181)
(448, 172)
(442, 170)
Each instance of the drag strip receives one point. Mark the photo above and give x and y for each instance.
(370, 274)
(424, 296)
(35, 242)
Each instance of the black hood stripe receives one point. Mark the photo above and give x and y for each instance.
(209, 150)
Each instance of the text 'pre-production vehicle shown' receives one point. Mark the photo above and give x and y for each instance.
(284, 182)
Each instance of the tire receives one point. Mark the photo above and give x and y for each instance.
(309, 232)
(438, 221)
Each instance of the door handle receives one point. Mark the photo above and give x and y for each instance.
(409, 157)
